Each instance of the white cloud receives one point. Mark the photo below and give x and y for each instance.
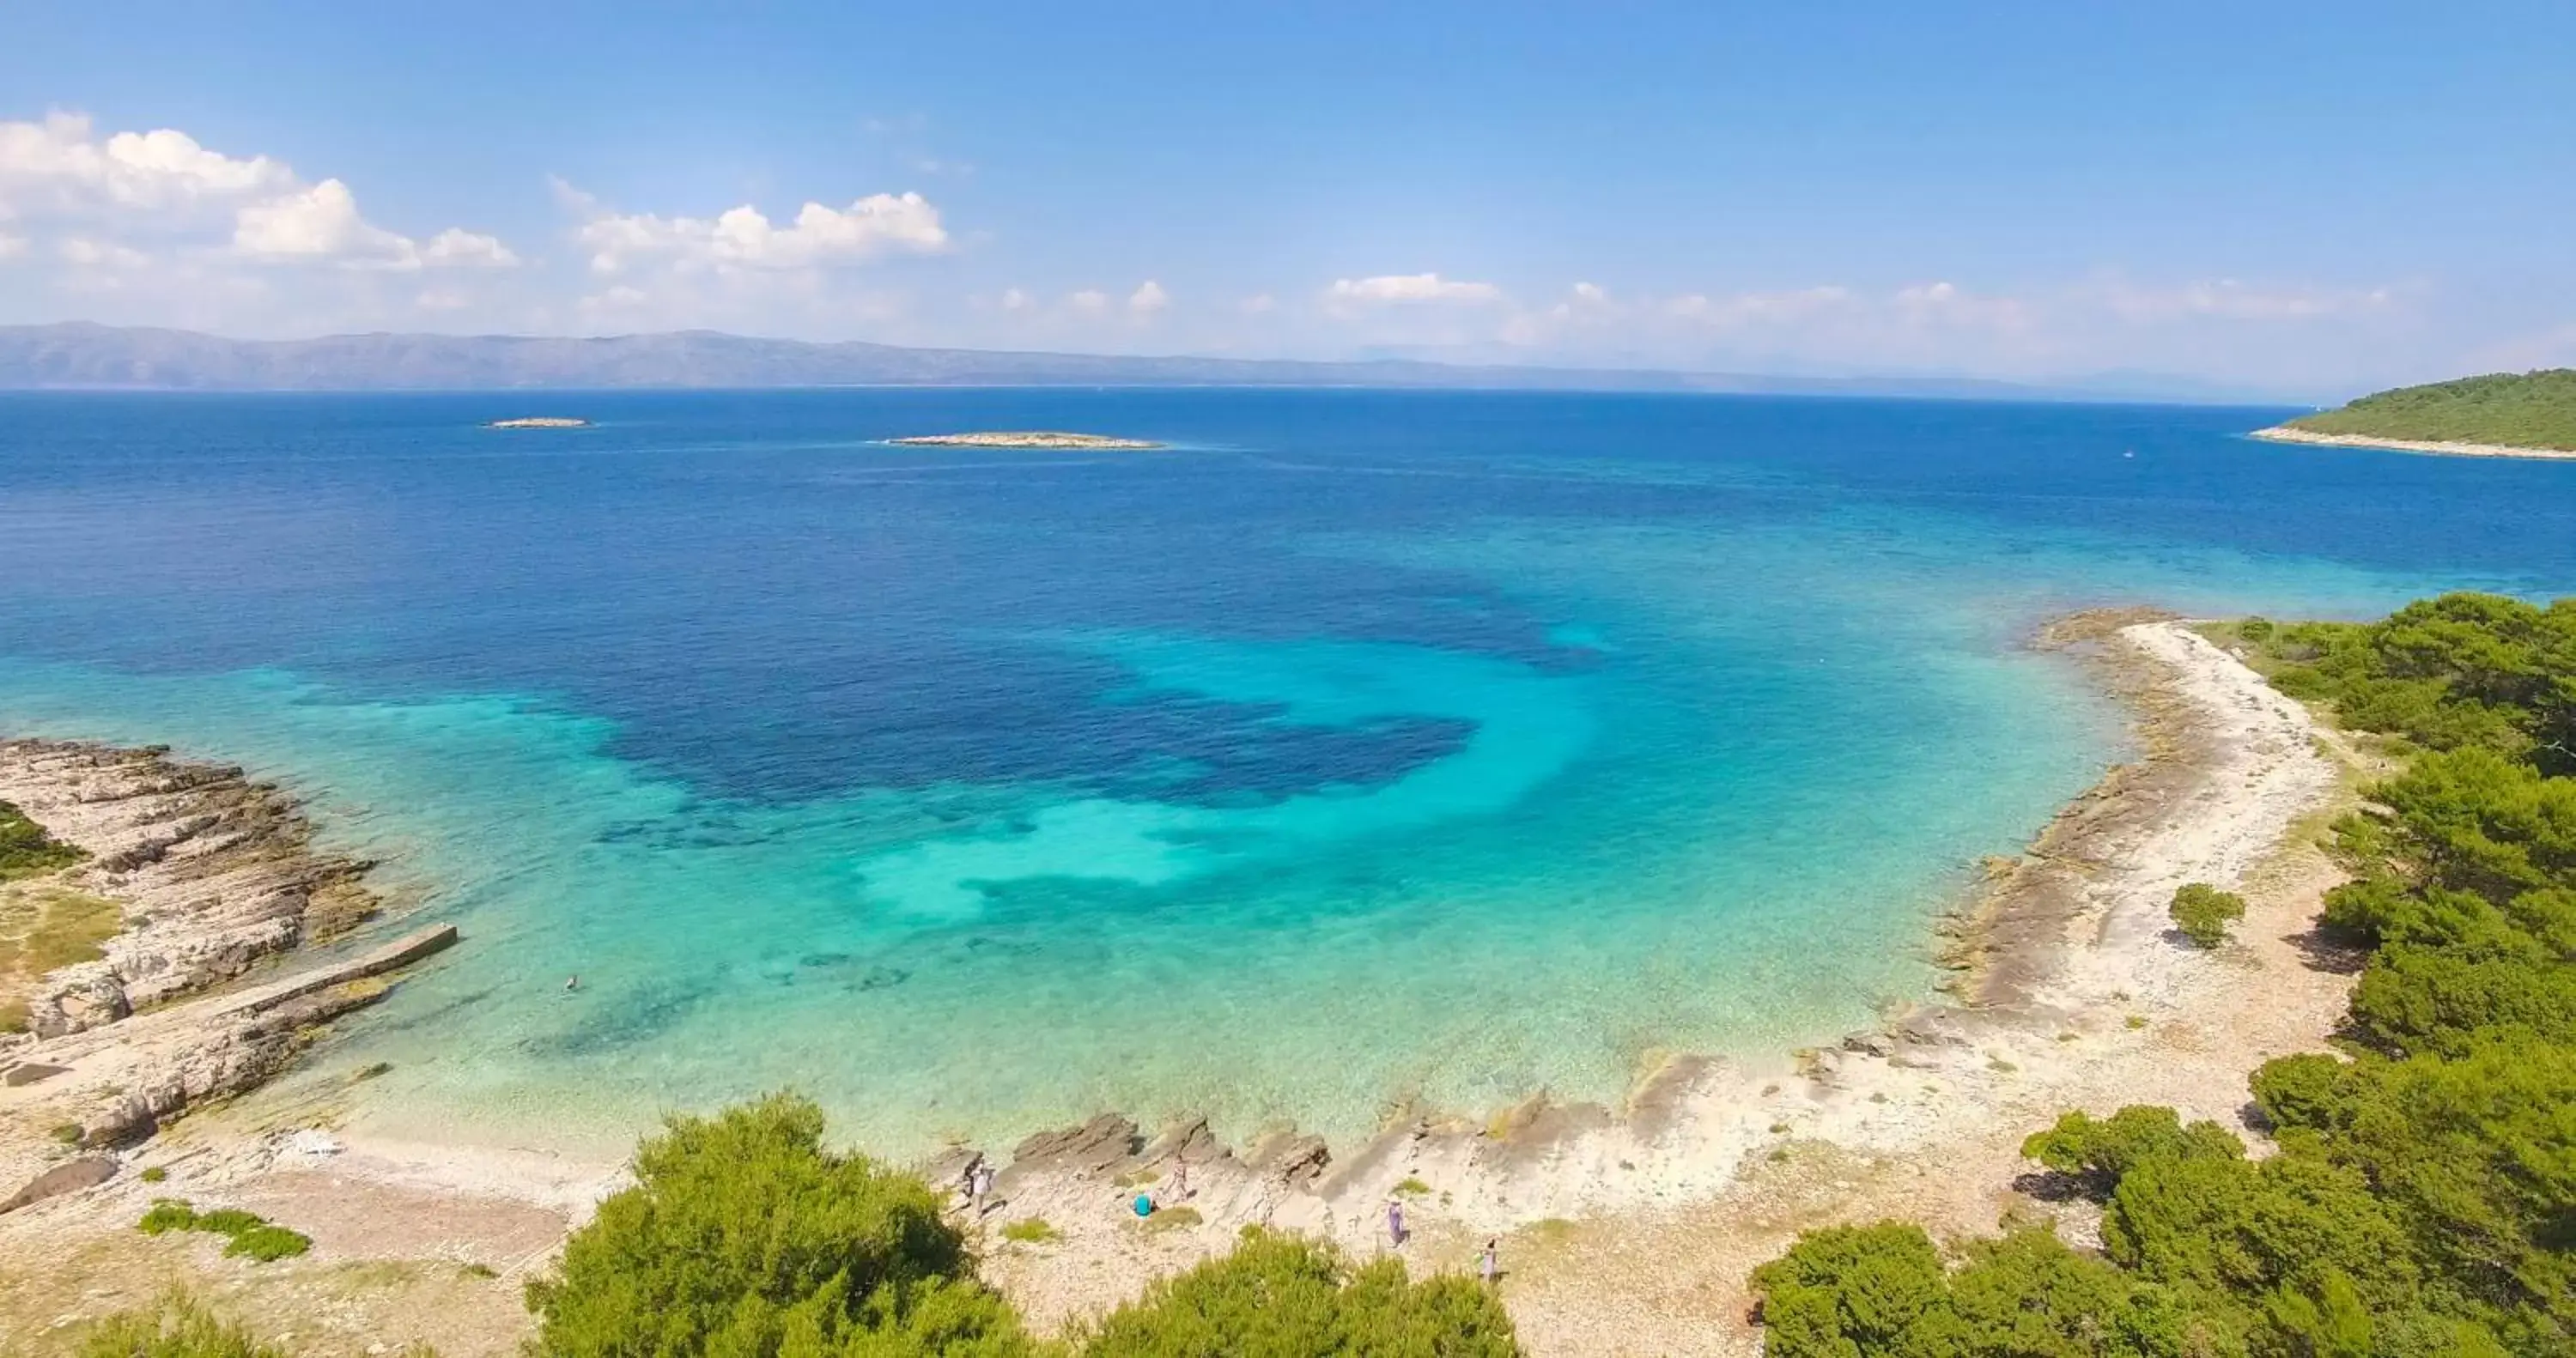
(99, 254)
(743, 238)
(1591, 294)
(166, 189)
(321, 222)
(1148, 299)
(12, 246)
(1014, 299)
(1407, 288)
(1089, 301)
(455, 246)
(59, 167)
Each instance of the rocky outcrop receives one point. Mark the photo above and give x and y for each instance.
(114, 1085)
(215, 871)
(69, 1177)
(213, 874)
(1091, 1149)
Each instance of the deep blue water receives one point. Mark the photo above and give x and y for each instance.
(1364, 746)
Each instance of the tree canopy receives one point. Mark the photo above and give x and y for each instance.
(2514, 410)
(2423, 1197)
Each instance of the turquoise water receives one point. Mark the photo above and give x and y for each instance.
(1371, 748)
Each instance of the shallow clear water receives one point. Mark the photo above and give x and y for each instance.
(1366, 747)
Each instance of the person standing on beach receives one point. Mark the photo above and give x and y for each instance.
(1180, 1178)
(966, 1181)
(1395, 1222)
(983, 1186)
(1492, 1266)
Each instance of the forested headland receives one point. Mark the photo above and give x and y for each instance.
(2506, 410)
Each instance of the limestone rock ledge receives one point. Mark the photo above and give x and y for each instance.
(214, 872)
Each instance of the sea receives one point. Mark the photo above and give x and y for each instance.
(1361, 751)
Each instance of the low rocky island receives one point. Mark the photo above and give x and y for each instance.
(1033, 438)
(540, 422)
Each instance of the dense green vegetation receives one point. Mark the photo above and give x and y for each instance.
(2423, 1199)
(26, 850)
(1286, 1295)
(744, 1236)
(2513, 410)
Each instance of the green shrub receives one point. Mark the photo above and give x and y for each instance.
(1412, 1187)
(26, 850)
(744, 1236)
(1283, 1295)
(1032, 1231)
(264, 1243)
(227, 1221)
(2203, 913)
(1853, 1290)
(166, 1215)
(2101, 1150)
(2311, 1092)
(174, 1327)
(250, 1237)
(153, 1174)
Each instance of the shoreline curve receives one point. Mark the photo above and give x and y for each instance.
(2067, 991)
(2282, 433)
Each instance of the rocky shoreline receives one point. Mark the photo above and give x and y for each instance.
(2065, 955)
(2282, 433)
(2069, 993)
(214, 875)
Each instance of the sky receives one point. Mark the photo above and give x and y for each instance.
(2277, 198)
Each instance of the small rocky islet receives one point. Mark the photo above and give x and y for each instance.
(539, 422)
(1029, 438)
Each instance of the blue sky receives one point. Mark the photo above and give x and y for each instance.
(2302, 198)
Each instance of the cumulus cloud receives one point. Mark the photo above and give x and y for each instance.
(468, 249)
(1088, 302)
(744, 238)
(318, 222)
(165, 189)
(1349, 293)
(60, 167)
(1148, 299)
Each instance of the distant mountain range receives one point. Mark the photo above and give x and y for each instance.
(80, 355)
